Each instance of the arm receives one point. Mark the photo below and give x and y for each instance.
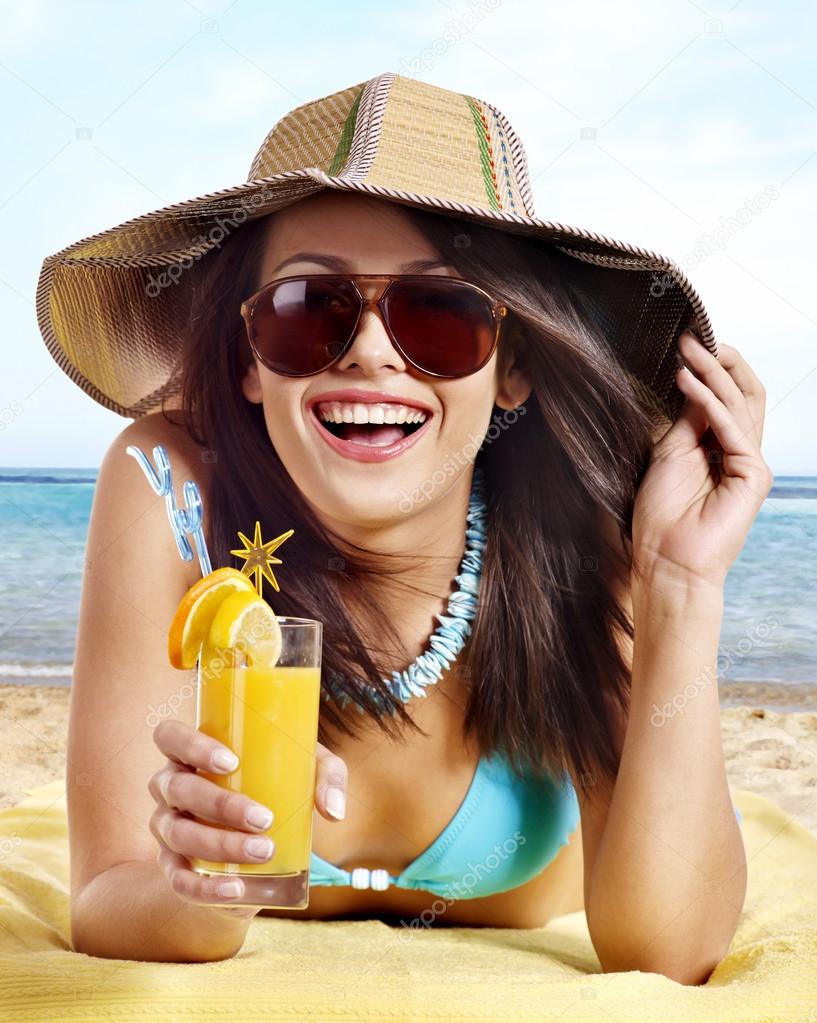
(129, 911)
(665, 867)
(669, 877)
(121, 903)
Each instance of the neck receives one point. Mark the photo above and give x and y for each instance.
(421, 554)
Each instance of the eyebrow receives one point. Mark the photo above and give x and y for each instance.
(338, 263)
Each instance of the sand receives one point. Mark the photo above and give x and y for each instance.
(33, 733)
(772, 752)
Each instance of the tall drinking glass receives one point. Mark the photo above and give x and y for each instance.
(268, 716)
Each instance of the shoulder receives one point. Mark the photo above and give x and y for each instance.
(126, 507)
(153, 429)
(188, 459)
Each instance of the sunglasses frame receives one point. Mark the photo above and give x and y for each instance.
(498, 310)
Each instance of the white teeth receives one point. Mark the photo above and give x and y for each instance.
(360, 412)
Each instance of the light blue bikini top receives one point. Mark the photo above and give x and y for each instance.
(504, 833)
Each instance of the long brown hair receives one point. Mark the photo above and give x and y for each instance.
(542, 653)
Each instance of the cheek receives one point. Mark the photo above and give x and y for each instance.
(467, 407)
(282, 401)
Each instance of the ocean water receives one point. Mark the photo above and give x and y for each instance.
(770, 598)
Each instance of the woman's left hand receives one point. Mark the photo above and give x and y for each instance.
(695, 507)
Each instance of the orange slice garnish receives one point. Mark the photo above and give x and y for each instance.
(195, 612)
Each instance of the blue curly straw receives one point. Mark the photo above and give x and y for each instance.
(183, 521)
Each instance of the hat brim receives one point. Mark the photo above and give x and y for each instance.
(112, 307)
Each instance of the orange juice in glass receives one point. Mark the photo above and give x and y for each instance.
(268, 715)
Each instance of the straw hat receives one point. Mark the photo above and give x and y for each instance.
(112, 307)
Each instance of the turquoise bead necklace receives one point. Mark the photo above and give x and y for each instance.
(448, 639)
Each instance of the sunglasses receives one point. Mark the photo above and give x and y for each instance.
(443, 326)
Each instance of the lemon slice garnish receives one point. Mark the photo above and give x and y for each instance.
(246, 622)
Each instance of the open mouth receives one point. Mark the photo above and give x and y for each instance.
(370, 433)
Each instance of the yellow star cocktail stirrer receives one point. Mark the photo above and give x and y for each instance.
(258, 556)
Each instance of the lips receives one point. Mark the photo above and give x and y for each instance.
(359, 394)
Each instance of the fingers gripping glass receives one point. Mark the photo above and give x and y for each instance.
(443, 326)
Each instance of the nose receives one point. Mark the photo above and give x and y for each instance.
(372, 348)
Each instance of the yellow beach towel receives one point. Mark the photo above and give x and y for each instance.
(368, 970)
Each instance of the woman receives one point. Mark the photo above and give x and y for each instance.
(608, 541)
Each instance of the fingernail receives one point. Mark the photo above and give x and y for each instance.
(161, 826)
(164, 781)
(229, 889)
(259, 817)
(260, 847)
(224, 760)
(336, 803)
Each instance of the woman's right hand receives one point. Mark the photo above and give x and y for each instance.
(181, 794)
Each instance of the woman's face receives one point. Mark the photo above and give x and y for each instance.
(370, 236)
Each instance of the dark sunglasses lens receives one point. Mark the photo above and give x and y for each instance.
(445, 327)
(300, 326)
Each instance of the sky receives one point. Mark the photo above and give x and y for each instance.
(685, 128)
